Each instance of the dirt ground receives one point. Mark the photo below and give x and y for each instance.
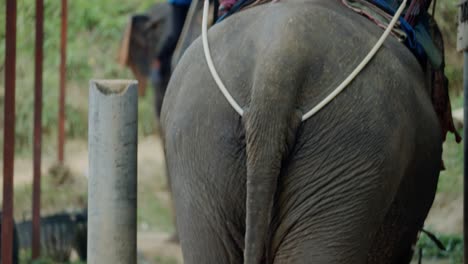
(446, 216)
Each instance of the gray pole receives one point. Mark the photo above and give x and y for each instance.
(465, 156)
(462, 46)
(112, 185)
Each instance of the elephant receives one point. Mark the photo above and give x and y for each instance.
(141, 41)
(144, 37)
(352, 184)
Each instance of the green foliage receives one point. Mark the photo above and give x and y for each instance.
(95, 29)
(164, 260)
(454, 73)
(456, 99)
(152, 212)
(60, 191)
(450, 180)
(146, 114)
(25, 257)
(446, 16)
(453, 245)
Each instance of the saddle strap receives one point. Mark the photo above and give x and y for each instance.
(439, 84)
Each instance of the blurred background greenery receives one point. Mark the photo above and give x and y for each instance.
(95, 29)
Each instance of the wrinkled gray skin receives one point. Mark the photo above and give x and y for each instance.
(353, 184)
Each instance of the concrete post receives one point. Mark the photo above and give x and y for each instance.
(112, 185)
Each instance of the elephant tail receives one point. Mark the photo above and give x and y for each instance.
(270, 134)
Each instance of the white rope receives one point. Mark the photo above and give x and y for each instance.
(359, 68)
(327, 99)
(210, 61)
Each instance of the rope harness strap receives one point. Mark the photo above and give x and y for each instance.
(327, 99)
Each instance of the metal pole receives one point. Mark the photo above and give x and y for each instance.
(36, 202)
(9, 133)
(465, 156)
(462, 46)
(63, 64)
(112, 185)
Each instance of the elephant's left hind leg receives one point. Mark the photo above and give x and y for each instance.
(394, 242)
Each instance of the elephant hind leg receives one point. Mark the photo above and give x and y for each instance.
(394, 243)
(328, 216)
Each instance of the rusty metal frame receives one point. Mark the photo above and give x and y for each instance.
(9, 133)
(36, 201)
(462, 46)
(63, 62)
(465, 158)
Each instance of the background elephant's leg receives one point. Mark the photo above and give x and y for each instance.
(395, 240)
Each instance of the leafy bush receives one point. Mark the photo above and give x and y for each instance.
(452, 243)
